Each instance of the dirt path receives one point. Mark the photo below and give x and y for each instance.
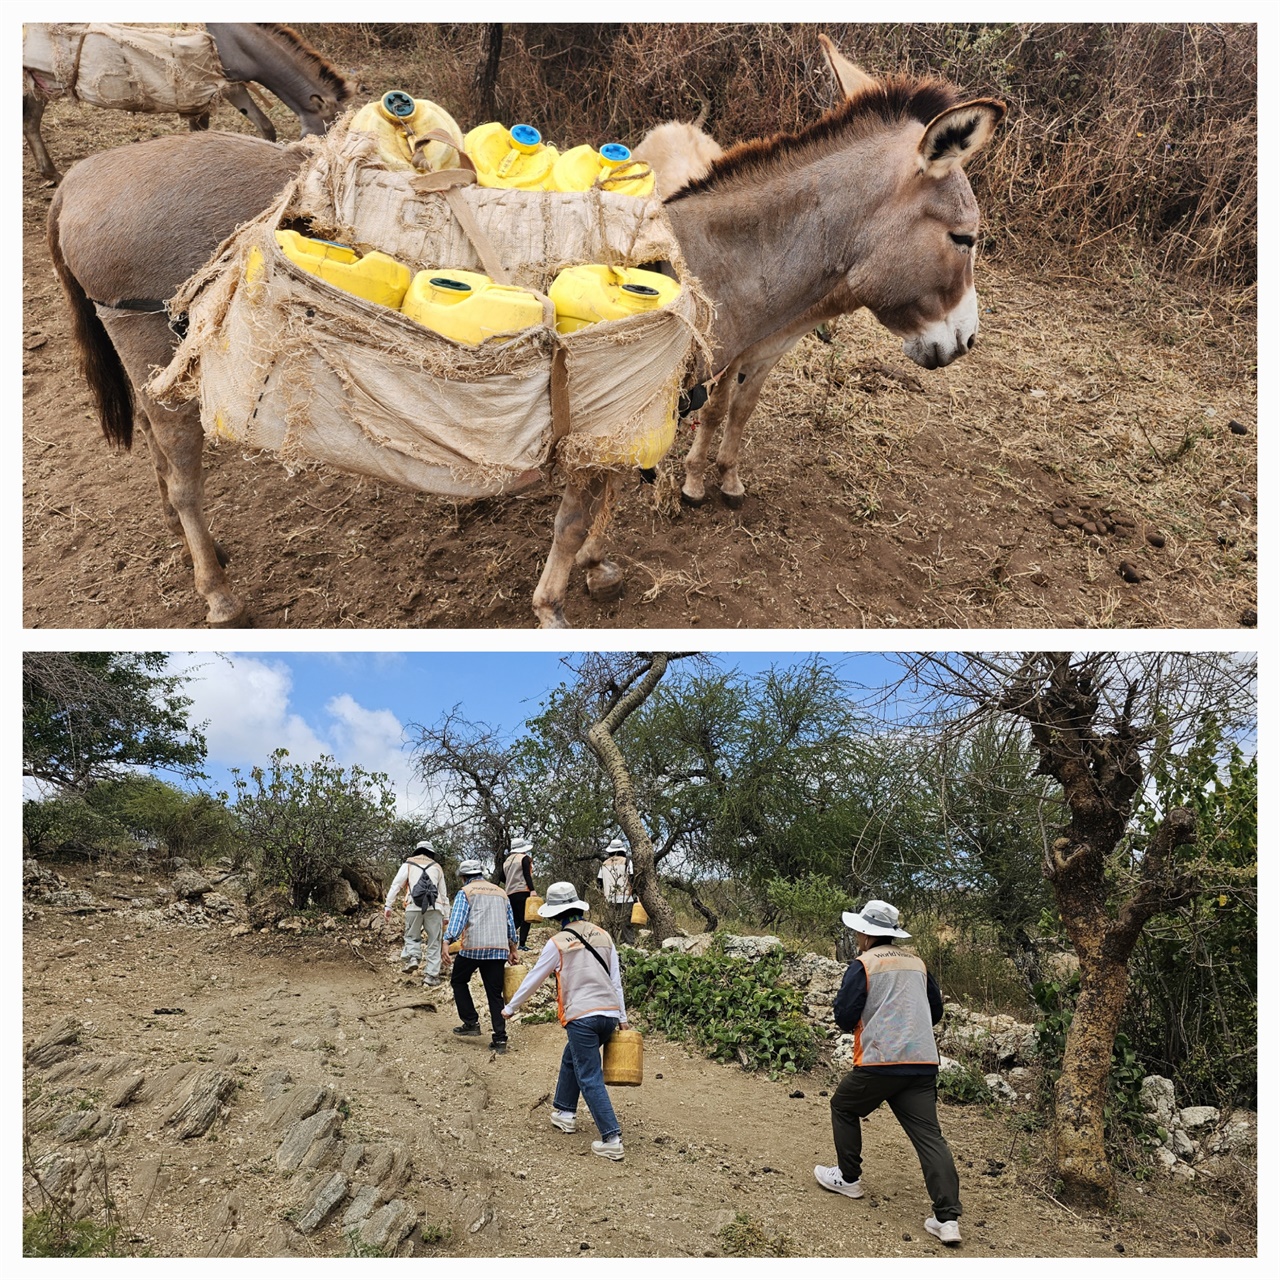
(1090, 424)
(465, 1134)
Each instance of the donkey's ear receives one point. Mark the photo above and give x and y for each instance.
(849, 79)
(956, 135)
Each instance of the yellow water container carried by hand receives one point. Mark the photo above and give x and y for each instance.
(400, 123)
(469, 307)
(624, 1058)
(512, 976)
(611, 168)
(639, 916)
(375, 277)
(513, 158)
(585, 295)
(531, 905)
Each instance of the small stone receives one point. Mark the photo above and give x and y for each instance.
(1128, 572)
(1249, 618)
(798, 1093)
(1238, 428)
(906, 1235)
(1155, 538)
(658, 1076)
(35, 342)
(1119, 1247)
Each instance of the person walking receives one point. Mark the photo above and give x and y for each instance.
(614, 879)
(891, 1003)
(425, 905)
(590, 1006)
(518, 873)
(482, 918)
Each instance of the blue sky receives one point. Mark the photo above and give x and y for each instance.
(355, 706)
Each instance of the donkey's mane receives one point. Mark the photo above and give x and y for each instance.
(325, 70)
(886, 103)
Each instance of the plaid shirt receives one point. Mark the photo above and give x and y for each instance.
(458, 918)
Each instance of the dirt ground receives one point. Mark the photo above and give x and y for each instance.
(707, 1146)
(1091, 464)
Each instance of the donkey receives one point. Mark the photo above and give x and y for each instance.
(681, 152)
(872, 193)
(266, 53)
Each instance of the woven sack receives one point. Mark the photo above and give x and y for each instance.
(123, 66)
(283, 361)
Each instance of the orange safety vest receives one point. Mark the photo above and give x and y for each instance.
(583, 984)
(896, 1027)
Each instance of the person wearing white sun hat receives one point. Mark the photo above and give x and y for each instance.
(590, 1006)
(891, 1002)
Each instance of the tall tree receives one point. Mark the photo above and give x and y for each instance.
(87, 717)
(1099, 722)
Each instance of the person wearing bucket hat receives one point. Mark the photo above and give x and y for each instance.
(614, 879)
(423, 913)
(590, 1005)
(891, 1003)
(482, 918)
(517, 871)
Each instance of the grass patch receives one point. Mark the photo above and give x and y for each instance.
(744, 1237)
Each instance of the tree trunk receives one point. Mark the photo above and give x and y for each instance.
(644, 874)
(1081, 1093)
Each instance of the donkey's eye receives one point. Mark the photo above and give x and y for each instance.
(965, 241)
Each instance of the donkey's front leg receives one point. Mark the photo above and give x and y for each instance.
(573, 523)
(32, 113)
(236, 92)
(604, 578)
(746, 396)
(693, 493)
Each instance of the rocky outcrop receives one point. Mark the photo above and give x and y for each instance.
(1189, 1141)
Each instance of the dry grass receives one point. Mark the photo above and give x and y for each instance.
(1122, 138)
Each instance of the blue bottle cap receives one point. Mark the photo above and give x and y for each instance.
(399, 103)
(525, 134)
(615, 152)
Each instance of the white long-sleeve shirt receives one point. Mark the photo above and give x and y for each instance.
(399, 884)
(548, 962)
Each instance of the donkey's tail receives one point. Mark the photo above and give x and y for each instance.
(99, 361)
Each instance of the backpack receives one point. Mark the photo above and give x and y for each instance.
(425, 891)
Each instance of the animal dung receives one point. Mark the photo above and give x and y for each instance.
(1128, 572)
(1238, 428)
(1249, 618)
(1155, 538)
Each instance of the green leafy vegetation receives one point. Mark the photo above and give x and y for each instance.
(963, 1084)
(730, 1007)
(51, 1234)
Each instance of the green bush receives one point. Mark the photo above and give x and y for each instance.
(963, 1084)
(68, 824)
(729, 1006)
(51, 1234)
(810, 906)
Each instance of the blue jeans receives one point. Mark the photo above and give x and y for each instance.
(581, 1072)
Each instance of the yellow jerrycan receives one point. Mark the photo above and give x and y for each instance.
(512, 976)
(375, 277)
(531, 905)
(639, 916)
(515, 157)
(469, 307)
(611, 168)
(587, 294)
(399, 123)
(624, 1058)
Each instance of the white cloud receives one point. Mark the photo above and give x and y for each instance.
(246, 702)
(374, 740)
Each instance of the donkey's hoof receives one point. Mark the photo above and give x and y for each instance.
(228, 613)
(605, 582)
(733, 500)
(687, 499)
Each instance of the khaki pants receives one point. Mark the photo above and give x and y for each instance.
(420, 926)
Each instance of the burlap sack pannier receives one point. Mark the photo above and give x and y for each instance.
(123, 66)
(281, 360)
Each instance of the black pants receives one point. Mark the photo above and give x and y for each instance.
(518, 902)
(914, 1101)
(491, 976)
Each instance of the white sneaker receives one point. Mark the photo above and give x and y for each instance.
(565, 1121)
(611, 1150)
(947, 1232)
(828, 1175)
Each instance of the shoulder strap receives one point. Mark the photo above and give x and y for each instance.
(604, 963)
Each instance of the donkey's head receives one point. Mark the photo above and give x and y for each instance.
(925, 292)
(919, 281)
